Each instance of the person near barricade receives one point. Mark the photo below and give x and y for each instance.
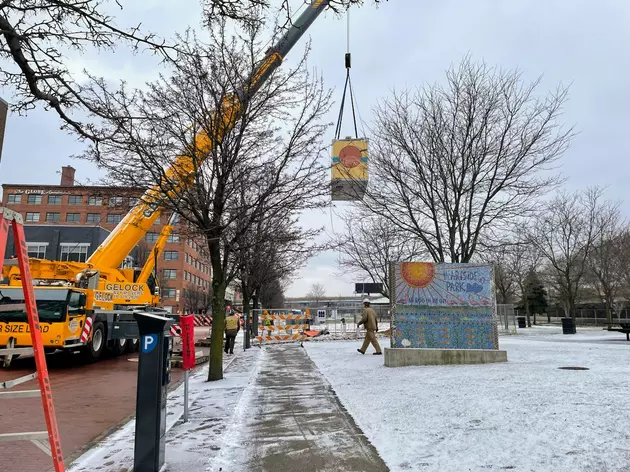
(368, 319)
(268, 323)
(232, 327)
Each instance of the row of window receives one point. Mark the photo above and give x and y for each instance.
(55, 217)
(189, 277)
(76, 252)
(36, 199)
(197, 264)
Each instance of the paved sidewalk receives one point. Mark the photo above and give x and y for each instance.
(289, 419)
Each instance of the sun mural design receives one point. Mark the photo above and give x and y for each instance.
(350, 156)
(417, 274)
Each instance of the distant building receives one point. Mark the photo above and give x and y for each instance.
(68, 222)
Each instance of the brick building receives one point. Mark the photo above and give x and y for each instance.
(184, 274)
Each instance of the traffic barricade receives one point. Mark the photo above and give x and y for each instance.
(280, 326)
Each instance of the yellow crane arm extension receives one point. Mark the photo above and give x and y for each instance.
(178, 177)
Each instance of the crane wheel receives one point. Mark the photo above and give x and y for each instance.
(94, 349)
(133, 345)
(119, 347)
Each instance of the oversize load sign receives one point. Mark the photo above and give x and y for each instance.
(188, 341)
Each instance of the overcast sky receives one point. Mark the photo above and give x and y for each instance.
(405, 43)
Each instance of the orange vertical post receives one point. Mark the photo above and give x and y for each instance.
(14, 219)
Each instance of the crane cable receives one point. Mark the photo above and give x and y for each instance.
(347, 87)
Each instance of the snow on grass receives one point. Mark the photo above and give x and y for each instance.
(523, 415)
(189, 446)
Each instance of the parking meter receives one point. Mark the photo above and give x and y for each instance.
(154, 375)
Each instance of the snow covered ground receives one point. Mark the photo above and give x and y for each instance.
(190, 446)
(524, 415)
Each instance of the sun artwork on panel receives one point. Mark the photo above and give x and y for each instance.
(417, 274)
(350, 156)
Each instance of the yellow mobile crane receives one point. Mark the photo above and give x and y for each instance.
(98, 293)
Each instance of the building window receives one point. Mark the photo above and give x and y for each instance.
(34, 199)
(93, 218)
(36, 250)
(170, 273)
(157, 221)
(133, 201)
(171, 255)
(76, 252)
(94, 200)
(53, 217)
(173, 238)
(115, 201)
(168, 293)
(151, 237)
(54, 199)
(15, 198)
(113, 218)
(32, 217)
(73, 217)
(75, 199)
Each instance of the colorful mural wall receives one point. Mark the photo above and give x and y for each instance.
(444, 306)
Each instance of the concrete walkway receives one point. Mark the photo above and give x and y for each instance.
(294, 421)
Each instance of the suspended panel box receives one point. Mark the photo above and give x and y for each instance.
(349, 169)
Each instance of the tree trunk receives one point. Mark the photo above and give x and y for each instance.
(527, 311)
(572, 312)
(534, 318)
(215, 371)
(548, 316)
(246, 309)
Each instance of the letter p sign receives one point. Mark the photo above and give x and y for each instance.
(149, 342)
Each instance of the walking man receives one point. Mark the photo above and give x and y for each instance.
(368, 319)
(232, 327)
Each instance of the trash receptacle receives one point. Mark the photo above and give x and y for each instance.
(521, 322)
(568, 326)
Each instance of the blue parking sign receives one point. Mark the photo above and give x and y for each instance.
(149, 341)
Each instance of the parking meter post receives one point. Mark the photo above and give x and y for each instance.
(187, 326)
(154, 375)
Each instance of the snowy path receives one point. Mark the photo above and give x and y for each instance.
(289, 420)
(525, 415)
(190, 445)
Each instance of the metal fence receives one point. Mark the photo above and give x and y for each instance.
(506, 317)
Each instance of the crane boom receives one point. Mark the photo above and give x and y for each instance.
(162, 239)
(133, 227)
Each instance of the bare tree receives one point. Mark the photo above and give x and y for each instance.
(607, 259)
(564, 233)
(451, 162)
(317, 292)
(196, 299)
(369, 242)
(271, 293)
(270, 142)
(37, 36)
(503, 259)
(273, 249)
